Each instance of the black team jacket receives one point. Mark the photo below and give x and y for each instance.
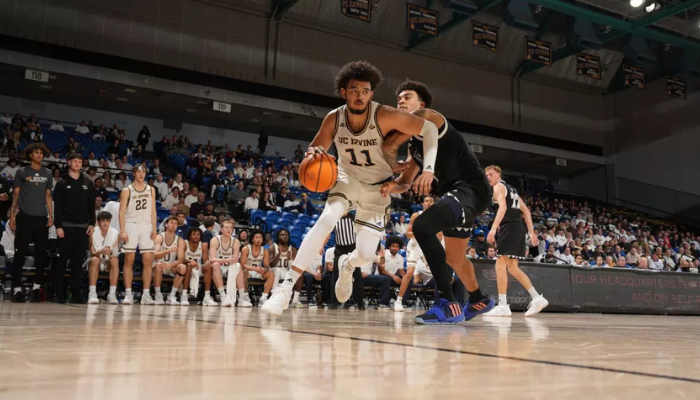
(74, 202)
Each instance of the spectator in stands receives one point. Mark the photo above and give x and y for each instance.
(125, 164)
(642, 264)
(99, 189)
(209, 209)
(11, 169)
(217, 183)
(292, 203)
(143, 137)
(471, 253)
(208, 232)
(298, 154)
(155, 169)
(632, 257)
(114, 149)
(161, 187)
(578, 262)
(621, 262)
(98, 205)
(182, 225)
(177, 183)
(122, 181)
(609, 262)
(599, 262)
(481, 244)
(6, 119)
(172, 199)
(82, 128)
(181, 206)
(192, 197)
(199, 206)
(37, 135)
(491, 253)
(243, 237)
(56, 176)
(566, 256)
(92, 174)
(251, 202)
(266, 203)
(305, 206)
(401, 226)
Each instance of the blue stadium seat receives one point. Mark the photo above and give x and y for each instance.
(416, 207)
(256, 217)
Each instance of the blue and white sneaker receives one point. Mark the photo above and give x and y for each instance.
(482, 306)
(442, 312)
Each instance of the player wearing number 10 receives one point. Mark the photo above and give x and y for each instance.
(137, 226)
(357, 129)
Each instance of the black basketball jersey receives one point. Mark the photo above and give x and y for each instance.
(513, 212)
(456, 162)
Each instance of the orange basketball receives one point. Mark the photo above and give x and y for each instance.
(318, 174)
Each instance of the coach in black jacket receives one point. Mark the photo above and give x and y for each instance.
(74, 205)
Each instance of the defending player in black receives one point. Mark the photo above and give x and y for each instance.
(465, 193)
(511, 243)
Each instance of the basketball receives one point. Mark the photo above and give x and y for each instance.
(318, 174)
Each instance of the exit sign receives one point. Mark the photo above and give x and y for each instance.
(33, 75)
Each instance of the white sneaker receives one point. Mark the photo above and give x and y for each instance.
(184, 300)
(536, 305)
(225, 301)
(279, 301)
(209, 302)
(92, 298)
(499, 311)
(112, 299)
(244, 301)
(159, 299)
(128, 299)
(263, 300)
(343, 287)
(298, 304)
(398, 307)
(147, 300)
(172, 301)
(312, 306)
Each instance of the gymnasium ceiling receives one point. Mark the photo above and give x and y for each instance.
(670, 33)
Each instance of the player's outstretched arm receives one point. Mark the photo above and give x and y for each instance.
(325, 135)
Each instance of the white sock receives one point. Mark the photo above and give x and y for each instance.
(158, 290)
(502, 301)
(173, 291)
(36, 286)
(241, 293)
(112, 290)
(264, 296)
(207, 293)
(184, 293)
(18, 290)
(296, 296)
(93, 290)
(533, 292)
(221, 290)
(399, 299)
(291, 278)
(128, 291)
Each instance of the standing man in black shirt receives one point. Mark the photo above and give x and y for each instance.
(74, 199)
(31, 196)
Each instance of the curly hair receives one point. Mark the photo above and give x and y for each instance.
(34, 146)
(394, 239)
(421, 90)
(254, 232)
(358, 70)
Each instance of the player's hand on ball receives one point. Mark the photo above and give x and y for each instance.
(423, 184)
(315, 150)
(491, 238)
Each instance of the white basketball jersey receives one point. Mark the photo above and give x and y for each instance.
(194, 255)
(285, 260)
(392, 263)
(255, 260)
(138, 210)
(99, 242)
(360, 154)
(224, 252)
(170, 257)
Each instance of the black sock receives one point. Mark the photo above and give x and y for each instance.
(436, 219)
(476, 296)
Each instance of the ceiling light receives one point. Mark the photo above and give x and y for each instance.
(130, 90)
(636, 3)
(652, 7)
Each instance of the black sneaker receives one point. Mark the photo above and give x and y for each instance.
(35, 297)
(18, 297)
(332, 306)
(361, 307)
(77, 298)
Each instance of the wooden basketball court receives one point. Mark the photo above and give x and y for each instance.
(144, 352)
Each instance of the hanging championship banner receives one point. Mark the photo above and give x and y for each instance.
(357, 9)
(538, 51)
(422, 19)
(484, 35)
(675, 86)
(634, 77)
(588, 65)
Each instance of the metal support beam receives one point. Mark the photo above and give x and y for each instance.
(457, 19)
(627, 27)
(620, 27)
(281, 8)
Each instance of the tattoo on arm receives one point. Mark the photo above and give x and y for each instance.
(390, 148)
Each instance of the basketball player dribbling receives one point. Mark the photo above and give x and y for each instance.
(465, 193)
(357, 129)
(138, 228)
